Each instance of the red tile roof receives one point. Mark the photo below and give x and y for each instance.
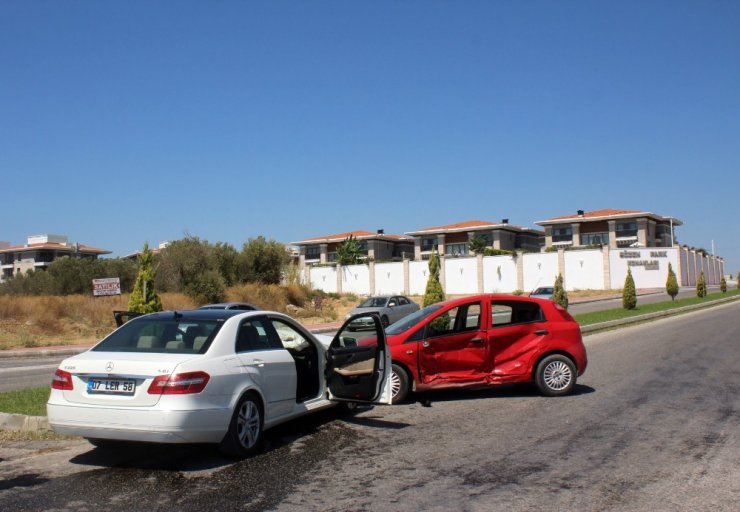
(609, 213)
(467, 225)
(360, 234)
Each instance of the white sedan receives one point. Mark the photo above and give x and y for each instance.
(214, 376)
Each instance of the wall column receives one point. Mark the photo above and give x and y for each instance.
(441, 244)
(406, 279)
(324, 249)
(576, 233)
(519, 260)
(642, 238)
(479, 262)
(371, 272)
(679, 267)
(339, 278)
(417, 248)
(442, 271)
(561, 266)
(548, 236)
(607, 269)
(612, 234)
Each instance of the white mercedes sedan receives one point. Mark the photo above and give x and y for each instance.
(214, 376)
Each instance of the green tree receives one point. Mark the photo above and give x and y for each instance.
(671, 284)
(226, 261)
(559, 294)
(262, 261)
(349, 252)
(723, 285)
(701, 286)
(738, 280)
(434, 292)
(144, 298)
(477, 244)
(629, 294)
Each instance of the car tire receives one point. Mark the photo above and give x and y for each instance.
(399, 384)
(384, 320)
(244, 437)
(556, 375)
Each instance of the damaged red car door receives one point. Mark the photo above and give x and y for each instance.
(455, 347)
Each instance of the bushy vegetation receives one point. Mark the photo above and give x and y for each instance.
(671, 284)
(348, 252)
(477, 244)
(68, 276)
(144, 298)
(629, 293)
(434, 292)
(559, 294)
(723, 285)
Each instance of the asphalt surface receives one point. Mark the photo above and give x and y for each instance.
(653, 425)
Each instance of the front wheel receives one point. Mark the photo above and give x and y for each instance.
(399, 384)
(245, 430)
(556, 375)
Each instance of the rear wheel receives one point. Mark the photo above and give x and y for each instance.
(399, 384)
(245, 430)
(556, 375)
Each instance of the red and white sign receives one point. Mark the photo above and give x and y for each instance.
(107, 286)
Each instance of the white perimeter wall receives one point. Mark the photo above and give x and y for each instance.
(584, 270)
(492, 281)
(643, 278)
(540, 269)
(356, 279)
(388, 278)
(418, 275)
(461, 276)
(324, 278)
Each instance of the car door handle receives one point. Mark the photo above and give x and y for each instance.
(541, 332)
(478, 341)
(257, 362)
(424, 343)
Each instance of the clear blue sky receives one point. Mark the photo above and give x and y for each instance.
(122, 122)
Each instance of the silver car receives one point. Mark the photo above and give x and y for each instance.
(389, 308)
(543, 292)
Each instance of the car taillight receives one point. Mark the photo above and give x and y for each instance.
(62, 380)
(179, 384)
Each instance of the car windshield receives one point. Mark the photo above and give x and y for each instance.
(411, 320)
(543, 291)
(172, 335)
(373, 302)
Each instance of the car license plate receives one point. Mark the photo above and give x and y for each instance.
(111, 386)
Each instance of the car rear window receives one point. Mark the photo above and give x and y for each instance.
(162, 335)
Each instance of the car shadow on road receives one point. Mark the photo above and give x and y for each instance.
(199, 458)
(427, 398)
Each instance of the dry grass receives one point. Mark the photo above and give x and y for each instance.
(65, 320)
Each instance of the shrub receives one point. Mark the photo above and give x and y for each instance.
(559, 294)
(348, 252)
(701, 286)
(143, 297)
(262, 261)
(206, 287)
(671, 284)
(434, 292)
(488, 251)
(629, 294)
(723, 285)
(477, 244)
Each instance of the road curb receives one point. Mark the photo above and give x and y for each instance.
(23, 423)
(603, 326)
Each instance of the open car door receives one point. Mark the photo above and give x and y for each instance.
(358, 362)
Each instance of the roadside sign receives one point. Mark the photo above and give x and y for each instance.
(107, 286)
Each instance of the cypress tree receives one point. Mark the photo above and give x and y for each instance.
(629, 294)
(738, 280)
(434, 292)
(671, 285)
(723, 285)
(701, 286)
(144, 299)
(559, 294)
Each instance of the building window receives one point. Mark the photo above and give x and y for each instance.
(456, 249)
(427, 244)
(595, 238)
(626, 229)
(562, 234)
(313, 252)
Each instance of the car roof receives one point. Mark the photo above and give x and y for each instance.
(197, 314)
(492, 296)
(227, 305)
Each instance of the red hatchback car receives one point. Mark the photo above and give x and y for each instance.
(485, 340)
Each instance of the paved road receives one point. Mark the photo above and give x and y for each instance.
(601, 305)
(653, 425)
(21, 373)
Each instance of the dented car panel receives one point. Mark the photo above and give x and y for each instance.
(487, 340)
